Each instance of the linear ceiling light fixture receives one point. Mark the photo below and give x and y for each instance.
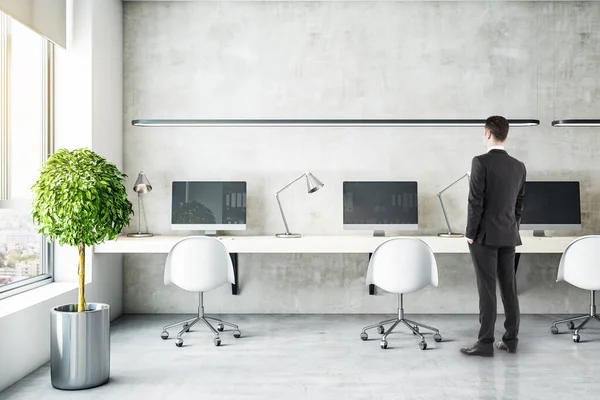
(401, 123)
(576, 123)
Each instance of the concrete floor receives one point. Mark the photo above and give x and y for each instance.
(322, 357)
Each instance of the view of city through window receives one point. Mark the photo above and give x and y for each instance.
(25, 137)
(19, 247)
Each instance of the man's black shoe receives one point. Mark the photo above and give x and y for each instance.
(479, 349)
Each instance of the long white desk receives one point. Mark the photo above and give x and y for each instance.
(320, 244)
(365, 244)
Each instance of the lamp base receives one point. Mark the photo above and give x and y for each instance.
(139, 235)
(450, 235)
(288, 235)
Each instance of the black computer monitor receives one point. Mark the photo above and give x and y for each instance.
(380, 206)
(208, 206)
(551, 206)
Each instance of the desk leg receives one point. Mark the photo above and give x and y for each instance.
(234, 261)
(517, 258)
(371, 287)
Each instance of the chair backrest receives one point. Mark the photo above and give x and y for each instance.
(580, 263)
(403, 265)
(199, 263)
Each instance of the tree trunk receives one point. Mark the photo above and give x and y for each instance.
(81, 306)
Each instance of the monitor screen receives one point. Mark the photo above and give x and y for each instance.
(551, 205)
(380, 205)
(208, 205)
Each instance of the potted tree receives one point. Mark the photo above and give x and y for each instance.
(79, 200)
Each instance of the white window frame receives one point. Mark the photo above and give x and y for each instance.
(46, 249)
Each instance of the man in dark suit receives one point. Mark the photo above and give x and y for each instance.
(495, 205)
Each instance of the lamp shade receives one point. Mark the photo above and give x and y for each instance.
(312, 183)
(141, 184)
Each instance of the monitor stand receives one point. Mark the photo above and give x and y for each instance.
(210, 233)
(539, 233)
(378, 233)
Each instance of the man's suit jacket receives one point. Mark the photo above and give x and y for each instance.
(496, 192)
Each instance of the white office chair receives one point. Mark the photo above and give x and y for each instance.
(198, 264)
(402, 265)
(580, 266)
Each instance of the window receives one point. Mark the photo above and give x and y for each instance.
(26, 132)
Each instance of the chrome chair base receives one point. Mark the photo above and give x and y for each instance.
(411, 325)
(188, 323)
(570, 321)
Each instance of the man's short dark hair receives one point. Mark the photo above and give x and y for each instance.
(498, 126)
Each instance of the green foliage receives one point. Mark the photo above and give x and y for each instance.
(194, 212)
(79, 199)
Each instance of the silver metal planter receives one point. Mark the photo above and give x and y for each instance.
(80, 346)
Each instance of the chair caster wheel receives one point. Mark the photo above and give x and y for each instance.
(217, 341)
(423, 345)
(554, 329)
(237, 334)
(164, 335)
(437, 337)
(576, 338)
(383, 344)
(571, 325)
(416, 331)
(186, 327)
(179, 342)
(364, 336)
(220, 327)
(380, 329)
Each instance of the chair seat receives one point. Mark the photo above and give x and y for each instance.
(580, 263)
(199, 264)
(402, 265)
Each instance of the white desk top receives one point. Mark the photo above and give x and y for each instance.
(320, 244)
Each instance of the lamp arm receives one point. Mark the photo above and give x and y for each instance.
(452, 184)
(290, 184)
(444, 211)
(139, 214)
(287, 230)
(439, 195)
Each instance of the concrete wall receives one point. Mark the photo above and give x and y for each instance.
(353, 60)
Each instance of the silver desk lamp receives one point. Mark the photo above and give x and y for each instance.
(312, 185)
(141, 186)
(450, 234)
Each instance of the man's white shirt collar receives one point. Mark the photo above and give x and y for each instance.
(495, 148)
